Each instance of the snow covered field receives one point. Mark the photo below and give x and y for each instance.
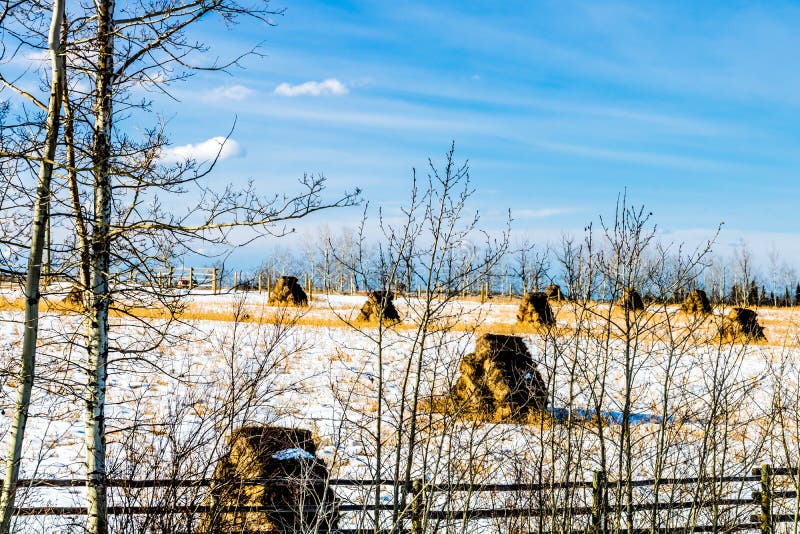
(704, 406)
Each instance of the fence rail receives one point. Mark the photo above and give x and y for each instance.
(422, 503)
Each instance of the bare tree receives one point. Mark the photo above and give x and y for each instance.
(531, 266)
(431, 248)
(41, 223)
(115, 181)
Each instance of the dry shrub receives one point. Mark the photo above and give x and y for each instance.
(370, 311)
(696, 303)
(741, 325)
(287, 292)
(268, 452)
(630, 300)
(535, 309)
(498, 382)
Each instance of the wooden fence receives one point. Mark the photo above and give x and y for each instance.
(425, 507)
(217, 281)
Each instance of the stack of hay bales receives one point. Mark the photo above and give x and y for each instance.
(553, 292)
(535, 309)
(268, 452)
(741, 325)
(371, 310)
(696, 303)
(630, 300)
(287, 292)
(498, 382)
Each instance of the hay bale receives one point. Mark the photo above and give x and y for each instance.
(74, 298)
(287, 292)
(553, 292)
(267, 452)
(741, 325)
(370, 311)
(696, 303)
(630, 300)
(498, 382)
(535, 309)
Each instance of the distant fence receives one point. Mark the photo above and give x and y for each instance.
(218, 280)
(424, 504)
(214, 279)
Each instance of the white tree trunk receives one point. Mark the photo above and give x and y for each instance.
(97, 506)
(41, 216)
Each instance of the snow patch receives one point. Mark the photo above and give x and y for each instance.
(293, 454)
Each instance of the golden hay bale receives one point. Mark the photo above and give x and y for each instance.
(269, 452)
(630, 300)
(74, 298)
(553, 292)
(535, 309)
(287, 292)
(696, 303)
(741, 325)
(370, 311)
(498, 382)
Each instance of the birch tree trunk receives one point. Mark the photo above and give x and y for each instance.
(41, 216)
(81, 233)
(97, 334)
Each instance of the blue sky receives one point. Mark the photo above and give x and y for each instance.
(559, 106)
(693, 106)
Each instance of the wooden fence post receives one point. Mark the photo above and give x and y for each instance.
(214, 280)
(416, 507)
(510, 292)
(235, 279)
(269, 285)
(766, 499)
(191, 278)
(260, 281)
(599, 503)
(171, 274)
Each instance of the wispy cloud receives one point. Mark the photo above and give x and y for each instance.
(39, 56)
(228, 92)
(539, 213)
(331, 86)
(632, 156)
(27, 59)
(204, 151)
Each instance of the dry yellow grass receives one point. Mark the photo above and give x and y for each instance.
(782, 324)
(442, 407)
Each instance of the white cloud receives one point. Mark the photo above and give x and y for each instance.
(204, 151)
(228, 92)
(331, 86)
